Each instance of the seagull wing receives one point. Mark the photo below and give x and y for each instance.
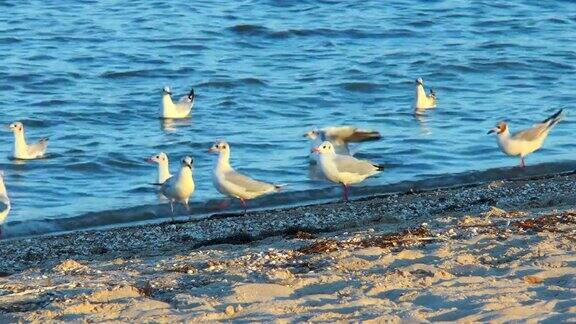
(539, 129)
(247, 183)
(38, 148)
(350, 164)
(350, 134)
(531, 134)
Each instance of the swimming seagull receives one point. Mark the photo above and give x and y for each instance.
(344, 169)
(163, 166)
(233, 184)
(340, 136)
(181, 109)
(4, 202)
(24, 151)
(526, 141)
(179, 188)
(423, 100)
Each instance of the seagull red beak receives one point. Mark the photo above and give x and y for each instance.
(315, 150)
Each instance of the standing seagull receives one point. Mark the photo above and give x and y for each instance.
(163, 166)
(340, 136)
(4, 202)
(344, 169)
(179, 188)
(526, 141)
(423, 100)
(233, 184)
(24, 151)
(181, 109)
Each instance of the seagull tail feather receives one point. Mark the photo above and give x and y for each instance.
(278, 187)
(554, 119)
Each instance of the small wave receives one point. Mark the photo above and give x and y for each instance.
(360, 86)
(257, 30)
(248, 29)
(132, 73)
(9, 40)
(229, 84)
(85, 166)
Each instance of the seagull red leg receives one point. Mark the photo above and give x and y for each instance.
(345, 193)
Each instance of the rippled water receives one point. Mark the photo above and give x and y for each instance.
(88, 74)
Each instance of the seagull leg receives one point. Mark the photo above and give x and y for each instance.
(243, 204)
(522, 163)
(345, 194)
(223, 204)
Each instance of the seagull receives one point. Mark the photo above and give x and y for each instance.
(179, 188)
(233, 184)
(344, 169)
(181, 109)
(4, 202)
(24, 151)
(163, 168)
(423, 100)
(526, 141)
(340, 136)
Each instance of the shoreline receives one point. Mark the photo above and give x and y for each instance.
(503, 250)
(156, 213)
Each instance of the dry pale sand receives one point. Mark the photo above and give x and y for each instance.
(500, 252)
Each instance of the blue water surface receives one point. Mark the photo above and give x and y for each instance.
(89, 75)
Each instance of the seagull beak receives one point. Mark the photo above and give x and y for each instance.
(212, 150)
(149, 160)
(315, 150)
(7, 127)
(490, 131)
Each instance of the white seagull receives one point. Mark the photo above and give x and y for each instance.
(526, 141)
(163, 166)
(181, 109)
(233, 184)
(340, 136)
(24, 151)
(179, 188)
(4, 202)
(344, 169)
(423, 100)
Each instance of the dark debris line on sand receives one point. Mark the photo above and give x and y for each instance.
(396, 212)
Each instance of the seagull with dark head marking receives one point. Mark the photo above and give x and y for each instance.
(233, 184)
(180, 109)
(525, 141)
(422, 100)
(163, 166)
(344, 169)
(180, 187)
(23, 150)
(340, 136)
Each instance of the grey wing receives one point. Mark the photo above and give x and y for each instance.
(351, 134)
(532, 133)
(345, 163)
(184, 103)
(39, 147)
(167, 185)
(247, 183)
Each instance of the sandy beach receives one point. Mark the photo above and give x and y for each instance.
(499, 251)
